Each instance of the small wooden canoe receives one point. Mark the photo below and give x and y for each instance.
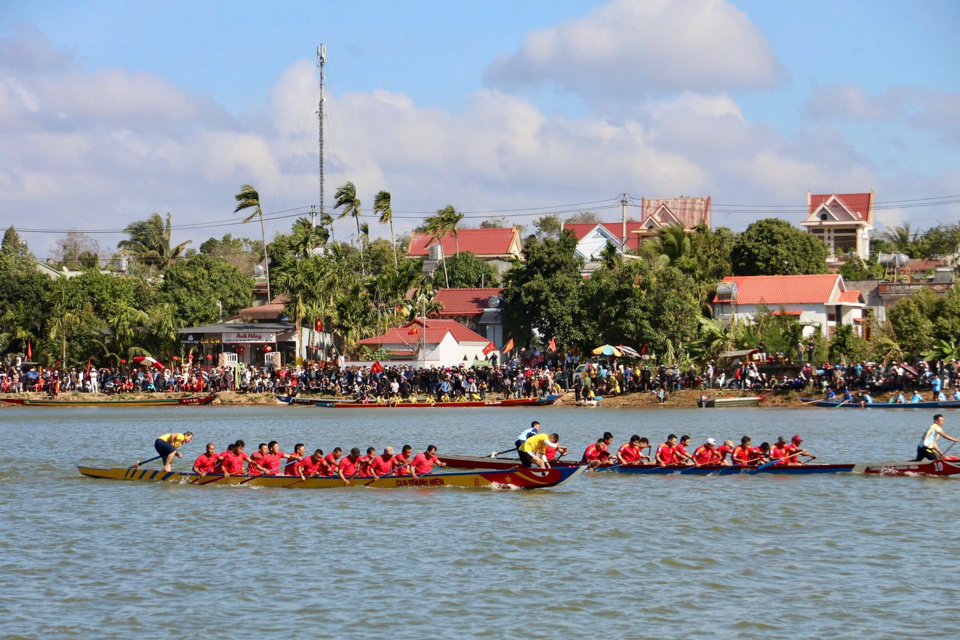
(148, 402)
(513, 479)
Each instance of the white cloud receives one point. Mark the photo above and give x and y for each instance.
(627, 49)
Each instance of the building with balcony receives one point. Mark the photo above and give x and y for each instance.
(843, 221)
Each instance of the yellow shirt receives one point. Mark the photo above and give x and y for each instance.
(176, 439)
(535, 444)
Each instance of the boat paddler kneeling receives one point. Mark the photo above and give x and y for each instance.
(167, 445)
(422, 463)
(632, 452)
(928, 449)
(599, 452)
(534, 450)
(206, 461)
(313, 466)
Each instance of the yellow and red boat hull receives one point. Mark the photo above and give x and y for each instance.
(513, 479)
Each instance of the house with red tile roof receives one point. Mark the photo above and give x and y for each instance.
(479, 309)
(817, 300)
(499, 247)
(843, 221)
(431, 343)
(657, 213)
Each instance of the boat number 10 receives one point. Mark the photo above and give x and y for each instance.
(938, 466)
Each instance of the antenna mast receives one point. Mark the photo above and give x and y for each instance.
(321, 58)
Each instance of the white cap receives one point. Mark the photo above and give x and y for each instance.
(711, 441)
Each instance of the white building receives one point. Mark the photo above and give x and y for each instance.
(816, 300)
(843, 221)
(438, 343)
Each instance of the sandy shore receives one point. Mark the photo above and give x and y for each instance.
(686, 398)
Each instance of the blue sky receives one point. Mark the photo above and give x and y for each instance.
(113, 110)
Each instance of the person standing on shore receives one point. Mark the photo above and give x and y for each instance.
(928, 449)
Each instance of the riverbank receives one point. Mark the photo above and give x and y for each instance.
(681, 399)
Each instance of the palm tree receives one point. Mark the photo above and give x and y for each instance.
(150, 242)
(669, 245)
(435, 226)
(451, 219)
(901, 239)
(249, 198)
(381, 206)
(346, 197)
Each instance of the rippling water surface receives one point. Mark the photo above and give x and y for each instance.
(605, 555)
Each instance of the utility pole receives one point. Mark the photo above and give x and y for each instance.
(313, 216)
(623, 211)
(321, 59)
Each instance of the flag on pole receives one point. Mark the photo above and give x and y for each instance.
(488, 349)
(553, 345)
(399, 308)
(414, 330)
(377, 367)
(29, 352)
(509, 346)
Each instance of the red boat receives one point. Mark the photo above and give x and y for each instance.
(333, 404)
(948, 466)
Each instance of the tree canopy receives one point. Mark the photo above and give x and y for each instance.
(775, 247)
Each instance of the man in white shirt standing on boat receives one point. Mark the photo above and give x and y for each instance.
(928, 449)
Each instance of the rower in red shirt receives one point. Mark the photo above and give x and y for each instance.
(291, 468)
(364, 464)
(218, 467)
(422, 463)
(333, 457)
(743, 452)
(680, 454)
(206, 461)
(312, 466)
(599, 452)
(665, 456)
(384, 464)
(349, 466)
(554, 451)
(706, 453)
(793, 449)
(632, 452)
(403, 460)
(271, 460)
(724, 450)
(254, 466)
(233, 462)
(761, 454)
(778, 451)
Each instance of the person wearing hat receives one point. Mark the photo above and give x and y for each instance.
(928, 448)
(793, 450)
(706, 453)
(778, 451)
(724, 450)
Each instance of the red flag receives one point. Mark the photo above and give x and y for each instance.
(488, 349)
(644, 349)
(88, 365)
(399, 308)
(414, 330)
(553, 345)
(509, 347)
(377, 367)
(29, 352)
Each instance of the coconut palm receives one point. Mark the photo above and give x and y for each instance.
(435, 226)
(346, 197)
(669, 245)
(249, 198)
(381, 206)
(901, 239)
(451, 220)
(149, 242)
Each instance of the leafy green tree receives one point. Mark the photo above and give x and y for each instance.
(670, 246)
(467, 270)
(846, 345)
(542, 293)
(195, 286)
(346, 199)
(381, 207)
(939, 241)
(243, 253)
(495, 223)
(548, 226)
(249, 198)
(584, 217)
(911, 321)
(902, 240)
(13, 246)
(76, 250)
(149, 242)
(775, 247)
(860, 269)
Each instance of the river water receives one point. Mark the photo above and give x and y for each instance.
(618, 556)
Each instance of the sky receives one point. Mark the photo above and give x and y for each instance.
(111, 111)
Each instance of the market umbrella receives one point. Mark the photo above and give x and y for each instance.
(147, 361)
(607, 350)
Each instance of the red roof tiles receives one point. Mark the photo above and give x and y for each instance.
(775, 290)
(616, 228)
(433, 333)
(479, 242)
(850, 296)
(689, 211)
(465, 302)
(861, 204)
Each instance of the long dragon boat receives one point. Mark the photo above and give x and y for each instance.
(147, 402)
(334, 404)
(839, 404)
(508, 479)
(946, 467)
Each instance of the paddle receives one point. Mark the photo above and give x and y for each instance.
(497, 453)
(948, 449)
(136, 465)
(841, 404)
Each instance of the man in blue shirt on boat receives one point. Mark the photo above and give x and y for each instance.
(526, 435)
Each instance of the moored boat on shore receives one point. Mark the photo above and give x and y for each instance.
(511, 479)
(140, 402)
(839, 404)
(719, 403)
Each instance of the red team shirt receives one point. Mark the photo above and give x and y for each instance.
(402, 462)
(349, 467)
(723, 451)
(628, 455)
(422, 464)
(309, 465)
(742, 454)
(596, 451)
(205, 463)
(704, 456)
(233, 463)
(665, 452)
(271, 462)
(381, 467)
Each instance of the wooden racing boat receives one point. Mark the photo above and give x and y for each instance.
(517, 402)
(946, 467)
(148, 402)
(834, 404)
(512, 479)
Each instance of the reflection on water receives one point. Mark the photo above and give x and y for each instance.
(624, 556)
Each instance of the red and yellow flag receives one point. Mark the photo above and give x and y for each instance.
(509, 346)
(488, 349)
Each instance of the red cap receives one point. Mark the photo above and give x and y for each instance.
(796, 440)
